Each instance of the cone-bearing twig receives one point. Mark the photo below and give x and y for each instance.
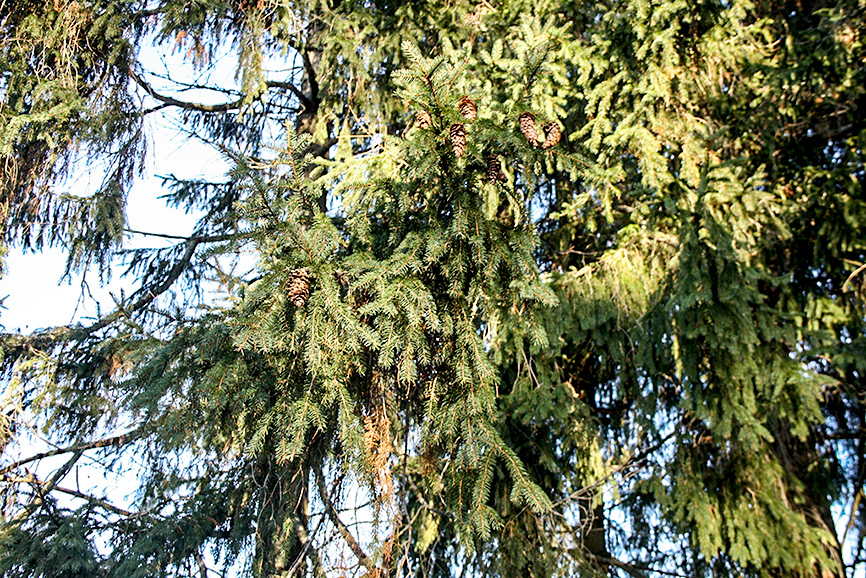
(467, 108)
(458, 139)
(527, 127)
(299, 286)
(552, 134)
(423, 120)
(494, 169)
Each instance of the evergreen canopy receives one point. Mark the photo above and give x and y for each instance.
(539, 289)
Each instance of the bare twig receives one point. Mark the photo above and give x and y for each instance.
(851, 276)
(202, 238)
(630, 570)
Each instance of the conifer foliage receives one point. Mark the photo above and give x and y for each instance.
(537, 289)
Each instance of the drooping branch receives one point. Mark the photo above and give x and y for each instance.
(341, 527)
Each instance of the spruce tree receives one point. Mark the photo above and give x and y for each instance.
(539, 289)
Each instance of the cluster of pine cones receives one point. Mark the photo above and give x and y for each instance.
(552, 132)
(298, 290)
(457, 134)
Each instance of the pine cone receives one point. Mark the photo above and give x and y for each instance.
(458, 139)
(552, 134)
(423, 120)
(527, 127)
(299, 286)
(467, 108)
(494, 169)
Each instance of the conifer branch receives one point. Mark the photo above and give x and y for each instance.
(96, 501)
(33, 480)
(303, 98)
(341, 527)
(103, 443)
(203, 238)
(630, 464)
(147, 12)
(857, 271)
(419, 495)
(153, 292)
(184, 104)
(42, 489)
(530, 77)
(153, 109)
(306, 539)
(629, 569)
(51, 337)
(633, 569)
(38, 341)
(202, 567)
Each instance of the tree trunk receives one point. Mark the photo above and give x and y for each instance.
(798, 457)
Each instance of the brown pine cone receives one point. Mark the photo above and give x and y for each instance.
(527, 127)
(467, 108)
(458, 139)
(423, 120)
(299, 286)
(494, 169)
(552, 134)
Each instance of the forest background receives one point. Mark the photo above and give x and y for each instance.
(500, 288)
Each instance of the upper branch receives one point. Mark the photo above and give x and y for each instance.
(184, 104)
(308, 103)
